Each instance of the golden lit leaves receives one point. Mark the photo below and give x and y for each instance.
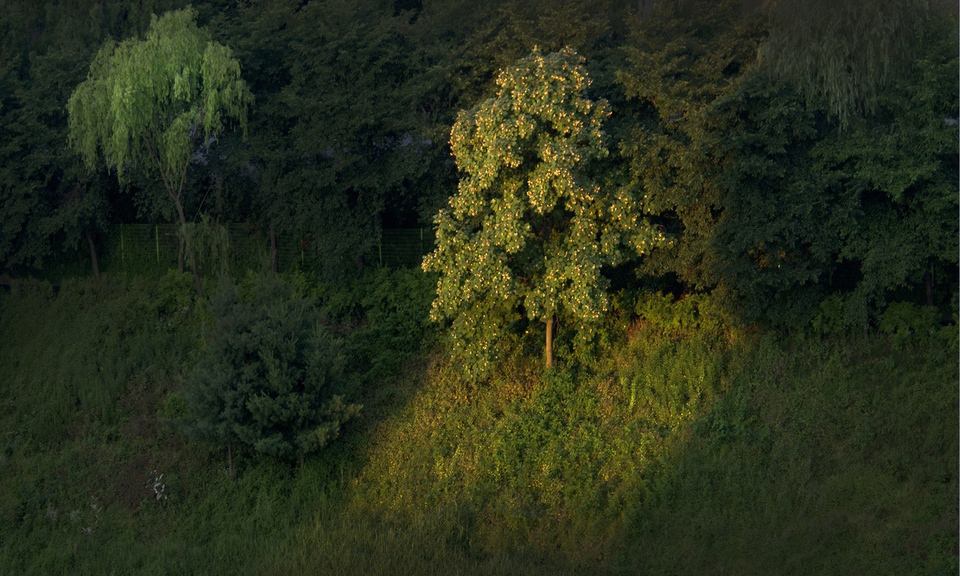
(527, 225)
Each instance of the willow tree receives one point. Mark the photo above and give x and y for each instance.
(846, 54)
(147, 103)
(529, 228)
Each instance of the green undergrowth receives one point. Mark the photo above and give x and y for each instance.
(687, 447)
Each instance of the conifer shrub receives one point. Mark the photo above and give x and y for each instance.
(271, 377)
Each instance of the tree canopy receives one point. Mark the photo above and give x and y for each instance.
(530, 226)
(144, 102)
(147, 104)
(794, 155)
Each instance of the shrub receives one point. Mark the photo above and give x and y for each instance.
(383, 316)
(905, 321)
(691, 314)
(270, 373)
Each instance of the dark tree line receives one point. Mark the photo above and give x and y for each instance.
(798, 155)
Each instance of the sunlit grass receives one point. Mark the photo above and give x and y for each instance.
(680, 451)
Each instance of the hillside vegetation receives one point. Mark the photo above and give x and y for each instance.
(552, 287)
(688, 446)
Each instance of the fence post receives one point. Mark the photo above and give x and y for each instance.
(380, 249)
(156, 238)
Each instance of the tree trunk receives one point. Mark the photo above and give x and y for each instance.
(274, 257)
(187, 245)
(548, 351)
(94, 261)
(644, 8)
(180, 266)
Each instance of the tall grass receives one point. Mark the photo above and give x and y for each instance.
(685, 448)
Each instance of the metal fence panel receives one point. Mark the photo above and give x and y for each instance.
(151, 249)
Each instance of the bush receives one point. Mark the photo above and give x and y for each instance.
(905, 322)
(270, 373)
(383, 316)
(694, 313)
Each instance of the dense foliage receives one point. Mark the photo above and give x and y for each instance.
(776, 208)
(845, 54)
(148, 104)
(729, 226)
(529, 226)
(269, 375)
(775, 143)
(48, 204)
(693, 448)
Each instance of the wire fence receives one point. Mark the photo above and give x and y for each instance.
(146, 249)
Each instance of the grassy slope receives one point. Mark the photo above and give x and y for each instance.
(682, 453)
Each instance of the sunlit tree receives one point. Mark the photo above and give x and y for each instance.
(530, 227)
(147, 103)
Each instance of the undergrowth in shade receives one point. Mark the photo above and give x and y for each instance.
(686, 448)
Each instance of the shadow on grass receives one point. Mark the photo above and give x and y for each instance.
(694, 453)
(811, 456)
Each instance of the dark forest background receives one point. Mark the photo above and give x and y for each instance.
(790, 168)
